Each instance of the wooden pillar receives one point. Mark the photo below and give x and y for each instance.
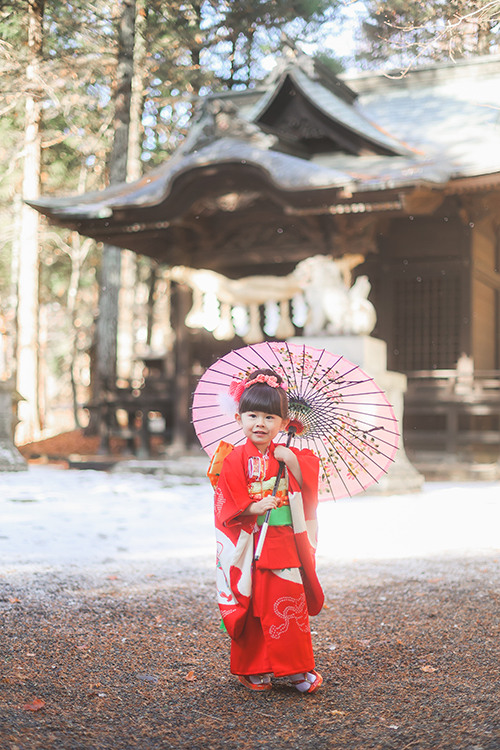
(182, 370)
(451, 429)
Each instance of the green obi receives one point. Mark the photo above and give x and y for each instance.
(281, 516)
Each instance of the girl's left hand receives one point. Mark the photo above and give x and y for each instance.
(282, 453)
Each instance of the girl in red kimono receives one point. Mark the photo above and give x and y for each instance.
(265, 605)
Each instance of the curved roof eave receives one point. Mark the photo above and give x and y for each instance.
(287, 173)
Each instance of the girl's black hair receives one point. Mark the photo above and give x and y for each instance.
(263, 397)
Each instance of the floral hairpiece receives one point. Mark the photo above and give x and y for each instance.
(237, 387)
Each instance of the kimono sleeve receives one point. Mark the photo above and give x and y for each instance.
(309, 467)
(233, 486)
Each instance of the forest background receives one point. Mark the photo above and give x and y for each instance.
(94, 93)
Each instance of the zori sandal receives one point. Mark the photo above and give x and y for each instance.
(256, 681)
(307, 682)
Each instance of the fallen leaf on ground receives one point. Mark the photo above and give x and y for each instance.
(428, 668)
(190, 677)
(35, 705)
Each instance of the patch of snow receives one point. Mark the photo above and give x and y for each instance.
(52, 518)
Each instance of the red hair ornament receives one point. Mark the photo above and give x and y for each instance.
(238, 386)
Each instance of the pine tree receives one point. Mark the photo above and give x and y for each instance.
(182, 49)
(243, 31)
(198, 47)
(400, 32)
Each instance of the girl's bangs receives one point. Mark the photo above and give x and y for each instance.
(261, 397)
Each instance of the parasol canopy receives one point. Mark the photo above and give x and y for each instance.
(335, 408)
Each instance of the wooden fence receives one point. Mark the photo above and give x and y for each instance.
(450, 409)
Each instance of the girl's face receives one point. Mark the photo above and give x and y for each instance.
(260, 427)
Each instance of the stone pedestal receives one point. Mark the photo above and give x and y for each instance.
(371, 355)
(10, 458)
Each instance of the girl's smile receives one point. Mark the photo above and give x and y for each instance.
(260, 428)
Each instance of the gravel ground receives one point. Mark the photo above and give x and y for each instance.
(130, 658)
(109, 637)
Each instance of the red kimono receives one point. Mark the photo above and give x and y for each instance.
(265, 606)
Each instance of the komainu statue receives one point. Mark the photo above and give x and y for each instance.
(335, 307)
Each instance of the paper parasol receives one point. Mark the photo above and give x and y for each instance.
(339, 411)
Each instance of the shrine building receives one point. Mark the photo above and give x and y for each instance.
(404, 171)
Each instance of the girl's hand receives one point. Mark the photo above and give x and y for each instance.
(282, 453)
(262, 506)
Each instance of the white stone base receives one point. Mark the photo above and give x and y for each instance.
(10, 458)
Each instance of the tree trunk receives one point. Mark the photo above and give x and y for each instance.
(27, 317)
(125, 344)
(125, 69)
(107, 322)
(134, 163)
(78, 254)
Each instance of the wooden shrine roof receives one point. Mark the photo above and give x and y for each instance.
(308, 141)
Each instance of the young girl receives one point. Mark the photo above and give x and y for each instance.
(265, 605)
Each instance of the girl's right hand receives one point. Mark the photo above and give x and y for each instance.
(262, 506)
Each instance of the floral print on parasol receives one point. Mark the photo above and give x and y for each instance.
(336, 409)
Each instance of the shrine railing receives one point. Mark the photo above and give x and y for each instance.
(451, 409)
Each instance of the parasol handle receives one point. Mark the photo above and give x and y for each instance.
(265, 525)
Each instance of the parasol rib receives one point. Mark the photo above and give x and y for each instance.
(343, 383)
(344, 437)
(323, 459)
(347, 422)
(379, 439)
(349, 469)
(312, 385)
(364, 414)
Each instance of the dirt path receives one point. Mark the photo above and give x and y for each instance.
(409, 652)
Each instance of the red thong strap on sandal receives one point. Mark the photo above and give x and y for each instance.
(308, 682)
(264, 681)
